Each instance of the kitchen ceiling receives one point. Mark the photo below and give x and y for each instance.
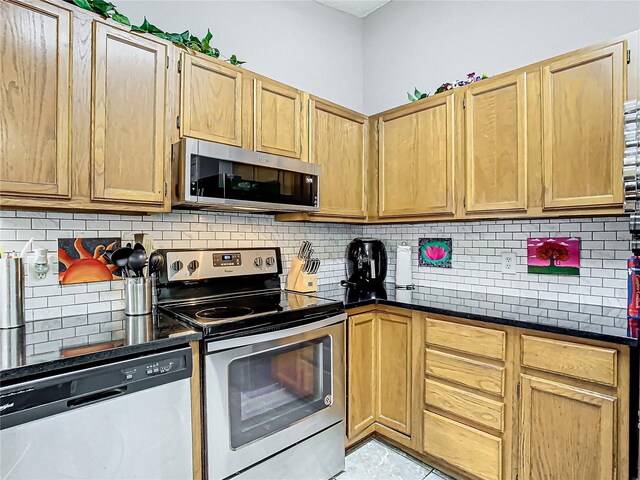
(358, 8)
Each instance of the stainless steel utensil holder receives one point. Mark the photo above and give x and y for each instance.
(137, 295)
(11, 292)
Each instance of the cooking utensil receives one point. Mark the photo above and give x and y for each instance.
(146, 240)
(120, 258)
(308, 254)
(156, 262)
(137, 261)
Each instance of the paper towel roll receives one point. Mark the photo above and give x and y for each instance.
(404, 276)
(404, 296)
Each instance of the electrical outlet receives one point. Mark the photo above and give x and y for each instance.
(508, 262)
(36, 279)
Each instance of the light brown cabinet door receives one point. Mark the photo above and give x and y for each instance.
(496, 145)
(582, 140)
(35, 100)
(211, 101)
(416, 157)
(566, 432)
(338, 145)
(128, 141)
(361, 372)
(278, 119)
(394, 389)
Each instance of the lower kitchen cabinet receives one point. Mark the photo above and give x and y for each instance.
(393, 351)
(489, 402)
(382, 356)
(466, 448)
(361, 373)
(566, 431)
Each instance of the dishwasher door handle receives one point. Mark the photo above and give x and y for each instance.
(96, 397)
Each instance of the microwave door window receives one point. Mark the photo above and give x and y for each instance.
(215, 178)
(272, 390)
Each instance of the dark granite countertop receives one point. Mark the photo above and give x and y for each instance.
(126, 337)
(563, 318)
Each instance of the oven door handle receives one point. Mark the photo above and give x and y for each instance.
(216, 346)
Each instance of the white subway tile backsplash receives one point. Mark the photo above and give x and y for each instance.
(475, 268)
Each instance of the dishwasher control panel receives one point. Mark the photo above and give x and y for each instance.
(148, 369)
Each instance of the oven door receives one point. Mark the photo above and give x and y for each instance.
(266, 392)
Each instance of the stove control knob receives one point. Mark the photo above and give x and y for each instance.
(193, 266)
(270, 261)
(257, 262)
(176, 266)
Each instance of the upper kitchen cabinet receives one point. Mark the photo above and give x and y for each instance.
(129, 143)
(35, 150)
(416, 159)
(278, 119)
(338, 139)
(211, 101)
(582, 128)
(495, 139)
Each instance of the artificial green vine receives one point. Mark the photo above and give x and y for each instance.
(184, 39)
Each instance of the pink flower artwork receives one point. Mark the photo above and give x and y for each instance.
(434, 252)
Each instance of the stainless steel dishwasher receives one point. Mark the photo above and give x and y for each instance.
(129, 419)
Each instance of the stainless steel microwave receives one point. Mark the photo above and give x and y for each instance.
(208, 175)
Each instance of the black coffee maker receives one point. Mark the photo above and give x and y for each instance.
(366, 264)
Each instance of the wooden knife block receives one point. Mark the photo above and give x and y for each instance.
(298, 281)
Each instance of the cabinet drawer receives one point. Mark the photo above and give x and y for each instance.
(463, 447)
(478, 375)
(585, 362)
(483, 342)
(474, 408)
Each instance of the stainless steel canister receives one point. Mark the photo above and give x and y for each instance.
(138, 329)
(12, 347)
(137, 295)
(11, 292)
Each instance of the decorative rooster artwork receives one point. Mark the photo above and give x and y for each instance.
(83, 260)
(554, 256)
(435, 252)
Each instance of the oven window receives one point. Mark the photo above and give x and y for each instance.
(271, 390)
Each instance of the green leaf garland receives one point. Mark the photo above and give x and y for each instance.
(184, 39)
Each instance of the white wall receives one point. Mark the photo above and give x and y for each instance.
(301, 43)
(423, 44)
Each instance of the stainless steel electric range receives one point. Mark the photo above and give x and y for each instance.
(273, 367)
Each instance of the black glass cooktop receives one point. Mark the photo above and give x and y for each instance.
(237, 315)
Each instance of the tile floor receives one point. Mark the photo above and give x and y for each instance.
(374, 460)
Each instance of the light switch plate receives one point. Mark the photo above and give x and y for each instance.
(50, 278)
(508, 262)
